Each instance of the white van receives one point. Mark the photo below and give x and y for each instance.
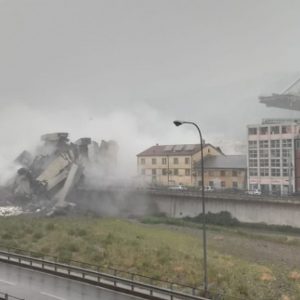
(209, 188)
(254, 192)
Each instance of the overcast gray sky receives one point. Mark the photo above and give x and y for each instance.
(125, 69)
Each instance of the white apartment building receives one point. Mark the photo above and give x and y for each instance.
(274, 156)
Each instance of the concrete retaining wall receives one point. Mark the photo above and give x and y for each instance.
(139, 203)
(244, 211)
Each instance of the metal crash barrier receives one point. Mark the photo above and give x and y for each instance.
(132, 284)
(4, 296)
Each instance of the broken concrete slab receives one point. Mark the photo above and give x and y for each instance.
(57, 168)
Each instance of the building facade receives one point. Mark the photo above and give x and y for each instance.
(225, 172)
(274, 156)
(172, 164)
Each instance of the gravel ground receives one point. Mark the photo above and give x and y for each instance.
(257, 250)
(253, 245)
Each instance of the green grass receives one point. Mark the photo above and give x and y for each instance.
(151, 250)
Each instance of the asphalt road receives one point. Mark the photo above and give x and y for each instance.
(34, 285)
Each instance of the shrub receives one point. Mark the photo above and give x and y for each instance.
(72, 247)
(221, 218)
(6, 236)
(109, 239)
(50, 227)
(36, 236)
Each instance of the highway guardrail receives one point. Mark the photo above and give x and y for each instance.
(4, 296)
(114, 282)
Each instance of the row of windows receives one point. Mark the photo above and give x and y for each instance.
(286, 143)
(221, 173)
(266, 172)
(223, 184)
(165, 172)
(187, 172)
(266, 188)
(273, 153)
(285, 162)
(273, 130)
(164, 161)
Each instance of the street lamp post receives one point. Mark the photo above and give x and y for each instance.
(178, 123)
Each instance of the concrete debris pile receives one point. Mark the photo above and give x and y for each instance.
(59, 166)
(7, 211)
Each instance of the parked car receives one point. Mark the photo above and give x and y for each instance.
(207, 188)
(178, 187)
(254, 192)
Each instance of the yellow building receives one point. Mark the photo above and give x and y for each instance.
(172, 164)
(224, 172)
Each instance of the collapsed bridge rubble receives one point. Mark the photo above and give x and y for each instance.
(47, 178)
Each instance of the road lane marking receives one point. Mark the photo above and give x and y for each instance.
(52, 296)
(7, 282)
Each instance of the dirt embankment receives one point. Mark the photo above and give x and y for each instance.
(253, 245)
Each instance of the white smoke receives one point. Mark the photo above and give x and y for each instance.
(134, 129)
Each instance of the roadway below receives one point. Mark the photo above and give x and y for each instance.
(35, 285)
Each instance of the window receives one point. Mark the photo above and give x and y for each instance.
(143, 172)
(264, 162)
(175, 160)
(286, 129)
(165, 172)
(187, 160)
(252, 171)
(275, 152)
(275, 172)
(286, 152)
(252, 162)
(275, 188)
(252, 153)
(275, 130)
(194, 165)
(223, 184)
(252, 131)
(153, 161)
(265, 189)
(264, 153)
(234, 173)
(234, 185)
(263, 130)
(164, 161)
(253, 187)
(187, 172)
(263, 144)
(211, 173)
(211, 183)
(153, 171)
(143, 161)
(264, 172)
(252, 144)
(275, 162)
(285, 172)
(222, 173)
(285, 162)
(275, 144)
(297, 144)
(287, 143)
(175, 172)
